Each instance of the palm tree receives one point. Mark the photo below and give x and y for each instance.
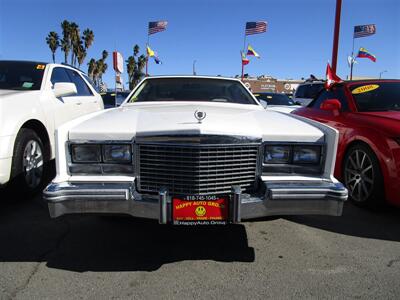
(130, 69)
(53, 41)
(135, 66)
(136, 50)
(104, 55)
(66, 40)
(81, 54)
(88, 38)
(97, 71)
(103, 70)
(102, 66)
(141, 63)
(91, 68)
(75, 41)
(77, 49)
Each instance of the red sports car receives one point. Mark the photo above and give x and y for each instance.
(367, 115)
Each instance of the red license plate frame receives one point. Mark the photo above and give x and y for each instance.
(200, 210)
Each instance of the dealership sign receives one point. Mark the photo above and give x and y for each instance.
(118, 62)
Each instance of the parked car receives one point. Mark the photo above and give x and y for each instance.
(194, 150)
(36, 98)
(277, 101)
(307, 91)
(367, 115)
(112, 99)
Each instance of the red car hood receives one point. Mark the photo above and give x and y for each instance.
(391, 115)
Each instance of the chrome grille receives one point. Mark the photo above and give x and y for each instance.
(197, 170)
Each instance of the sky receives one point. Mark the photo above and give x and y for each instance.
(298, 41)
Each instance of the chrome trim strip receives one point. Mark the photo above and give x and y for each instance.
(235, 204)
(198, 140)
(163, 194)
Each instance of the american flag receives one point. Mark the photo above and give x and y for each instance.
(364, 30)
(256, 27)
(157, 26)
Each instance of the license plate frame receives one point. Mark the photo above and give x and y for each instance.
(200, 210)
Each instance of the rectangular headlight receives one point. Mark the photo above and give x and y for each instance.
(118, 153)
(306, 154)
(277, 154)
(86, 153)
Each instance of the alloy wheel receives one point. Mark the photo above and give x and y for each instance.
(33, 164)
(359, 175)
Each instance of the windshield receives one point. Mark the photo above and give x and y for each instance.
(16, 75)
(192, 89)
(309, 91)
(275, 99)
(379, 96)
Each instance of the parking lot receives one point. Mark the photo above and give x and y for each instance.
(356, 255)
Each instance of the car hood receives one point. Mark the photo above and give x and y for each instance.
(10, 93)
(284, 108)
(177, 118)
(388, 115)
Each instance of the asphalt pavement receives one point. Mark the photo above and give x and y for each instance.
(73, 257)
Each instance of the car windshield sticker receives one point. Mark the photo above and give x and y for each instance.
(27, 85)
(40, 67)
(365, 88)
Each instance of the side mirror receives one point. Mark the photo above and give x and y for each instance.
(62, 89)
(263, 103)
(332, 105)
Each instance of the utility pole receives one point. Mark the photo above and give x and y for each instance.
(380, 73)
(194, 67)
(336, 35)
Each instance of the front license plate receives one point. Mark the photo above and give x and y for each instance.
(200, 210)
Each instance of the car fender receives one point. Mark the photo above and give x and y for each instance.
(374, 139)
(16, 111)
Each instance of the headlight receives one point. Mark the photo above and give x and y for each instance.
(277, 154)
(306, 154)
(86, 153)
(292, 154)
(117, 153)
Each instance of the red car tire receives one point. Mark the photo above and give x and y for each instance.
(363, 177)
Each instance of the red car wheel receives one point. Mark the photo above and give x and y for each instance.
(363, 177)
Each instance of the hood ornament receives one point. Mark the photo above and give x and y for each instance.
(200, 115)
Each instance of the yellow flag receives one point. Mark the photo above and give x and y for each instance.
(150, 52)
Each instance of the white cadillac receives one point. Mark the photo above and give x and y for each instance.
(195, 150)
(36, 98)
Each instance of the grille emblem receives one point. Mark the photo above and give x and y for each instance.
(200, 115)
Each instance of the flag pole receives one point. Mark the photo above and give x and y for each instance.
(241, 60)
(336, 34)
(352, 61)
(147, 54)
(244, 51)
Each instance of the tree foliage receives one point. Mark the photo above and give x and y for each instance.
(134, 66)
(96, 68)
(53, 41)
(74, 46)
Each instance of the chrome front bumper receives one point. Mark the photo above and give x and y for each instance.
(278, 198)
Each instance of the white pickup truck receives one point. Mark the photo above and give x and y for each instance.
(36, 98)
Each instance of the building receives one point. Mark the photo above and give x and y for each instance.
(266, 84)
